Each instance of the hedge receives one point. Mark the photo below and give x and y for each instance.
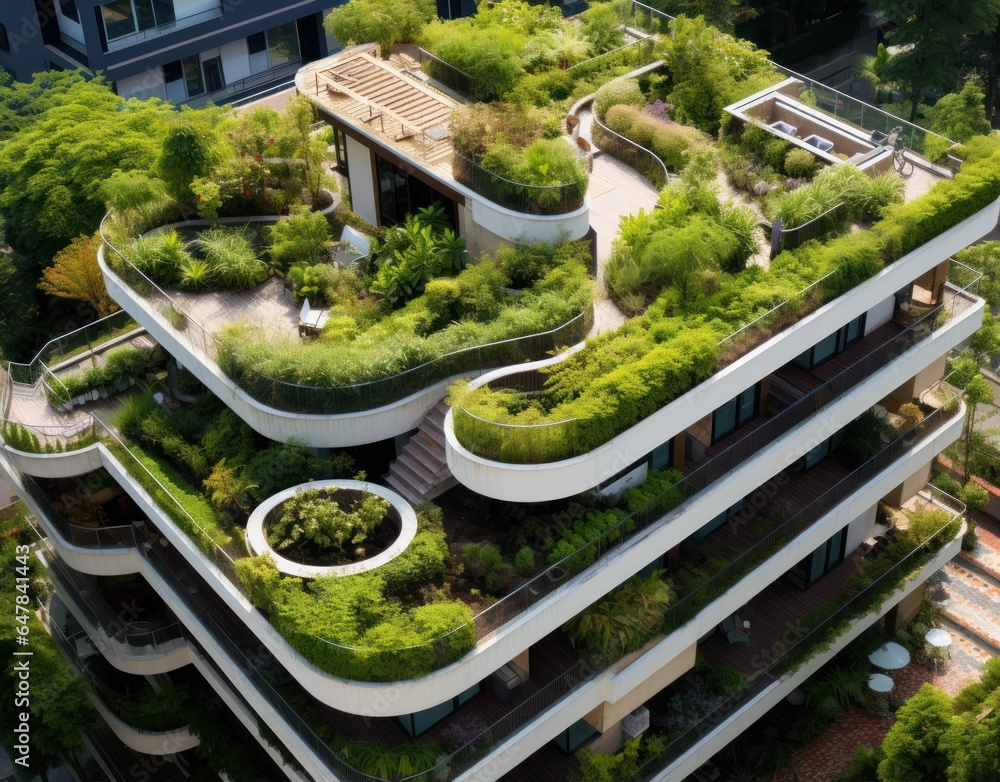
(623, 377)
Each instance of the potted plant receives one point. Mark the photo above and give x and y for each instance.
(95, 380)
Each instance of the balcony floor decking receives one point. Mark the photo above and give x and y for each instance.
(774, 615)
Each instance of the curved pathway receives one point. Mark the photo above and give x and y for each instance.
(615, 191)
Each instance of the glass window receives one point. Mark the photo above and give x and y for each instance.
(283, 44)
(734, 414)
(214, 78)
(144, 17)
(192, 75)
(747, 402)
(826, 348)
(817, 454)
(69, 9)
(119, 19)
(662, 457)
(854, 331)
(164, 10)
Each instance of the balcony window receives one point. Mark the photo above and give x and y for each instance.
(834, 344)
(736, 412)
(422, 721)
(128, 17)
(283, 44)
(273, 48)
(820, 562)
(69, 10)
(193, 76)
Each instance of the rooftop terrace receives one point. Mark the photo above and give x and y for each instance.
(391, 99)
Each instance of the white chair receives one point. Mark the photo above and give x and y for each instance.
(311, 319)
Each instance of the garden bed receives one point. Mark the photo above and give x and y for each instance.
(386, 539)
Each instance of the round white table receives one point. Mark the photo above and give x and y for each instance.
(890, 657)
(939, 639)
(879, 682)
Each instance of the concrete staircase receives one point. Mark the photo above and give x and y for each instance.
(421, 471)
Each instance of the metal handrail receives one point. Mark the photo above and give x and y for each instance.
(284, 395)
(667, 176)
(705, 474)
(795, 655)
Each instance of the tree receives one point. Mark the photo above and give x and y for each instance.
(710, 70)
(53, 168)
(74, 274)
(986, 258)
(872, 68)
(724, 14)
(977, 392)
(300, 114)
(980, 57)
(914, 747)
(186, 155)
(930, 35)
(18, 309)
(367, 21)
(959, 115)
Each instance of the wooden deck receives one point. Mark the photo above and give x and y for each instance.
(774, 615)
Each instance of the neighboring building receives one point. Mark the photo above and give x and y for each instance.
(766, 491)
(185, 51)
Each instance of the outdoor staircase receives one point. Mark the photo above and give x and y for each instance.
(421, 471)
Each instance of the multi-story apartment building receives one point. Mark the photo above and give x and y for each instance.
(178, 50)
(767, 523)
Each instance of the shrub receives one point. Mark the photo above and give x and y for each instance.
(302, 238)
(800, 163)
(620, 118)
(618, 92)
(947, 484)
(421, 565)
(975, 497)
(911, 415)
(259, 578)
(524, 561)
(322, 519)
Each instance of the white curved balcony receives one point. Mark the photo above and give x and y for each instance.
(554, 480)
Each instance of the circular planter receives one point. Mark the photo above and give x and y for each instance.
(257, 539)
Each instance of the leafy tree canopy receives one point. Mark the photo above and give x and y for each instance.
(930, 35)
(68, 144)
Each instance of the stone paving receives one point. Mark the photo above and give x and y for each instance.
(832, 752)
(970, 601)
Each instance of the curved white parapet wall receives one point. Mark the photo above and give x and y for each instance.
(259, 545)
(68, 464)
(513, 226)
(315, 431)
(566, 478)
(611, 686)
(165, 742)
(399, 698)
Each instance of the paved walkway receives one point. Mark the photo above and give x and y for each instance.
(615, 191)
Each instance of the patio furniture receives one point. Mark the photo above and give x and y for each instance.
(436, 133)
(508, 678)
(890, 657)
(940, 643)
(311, 319)
(737, 630)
